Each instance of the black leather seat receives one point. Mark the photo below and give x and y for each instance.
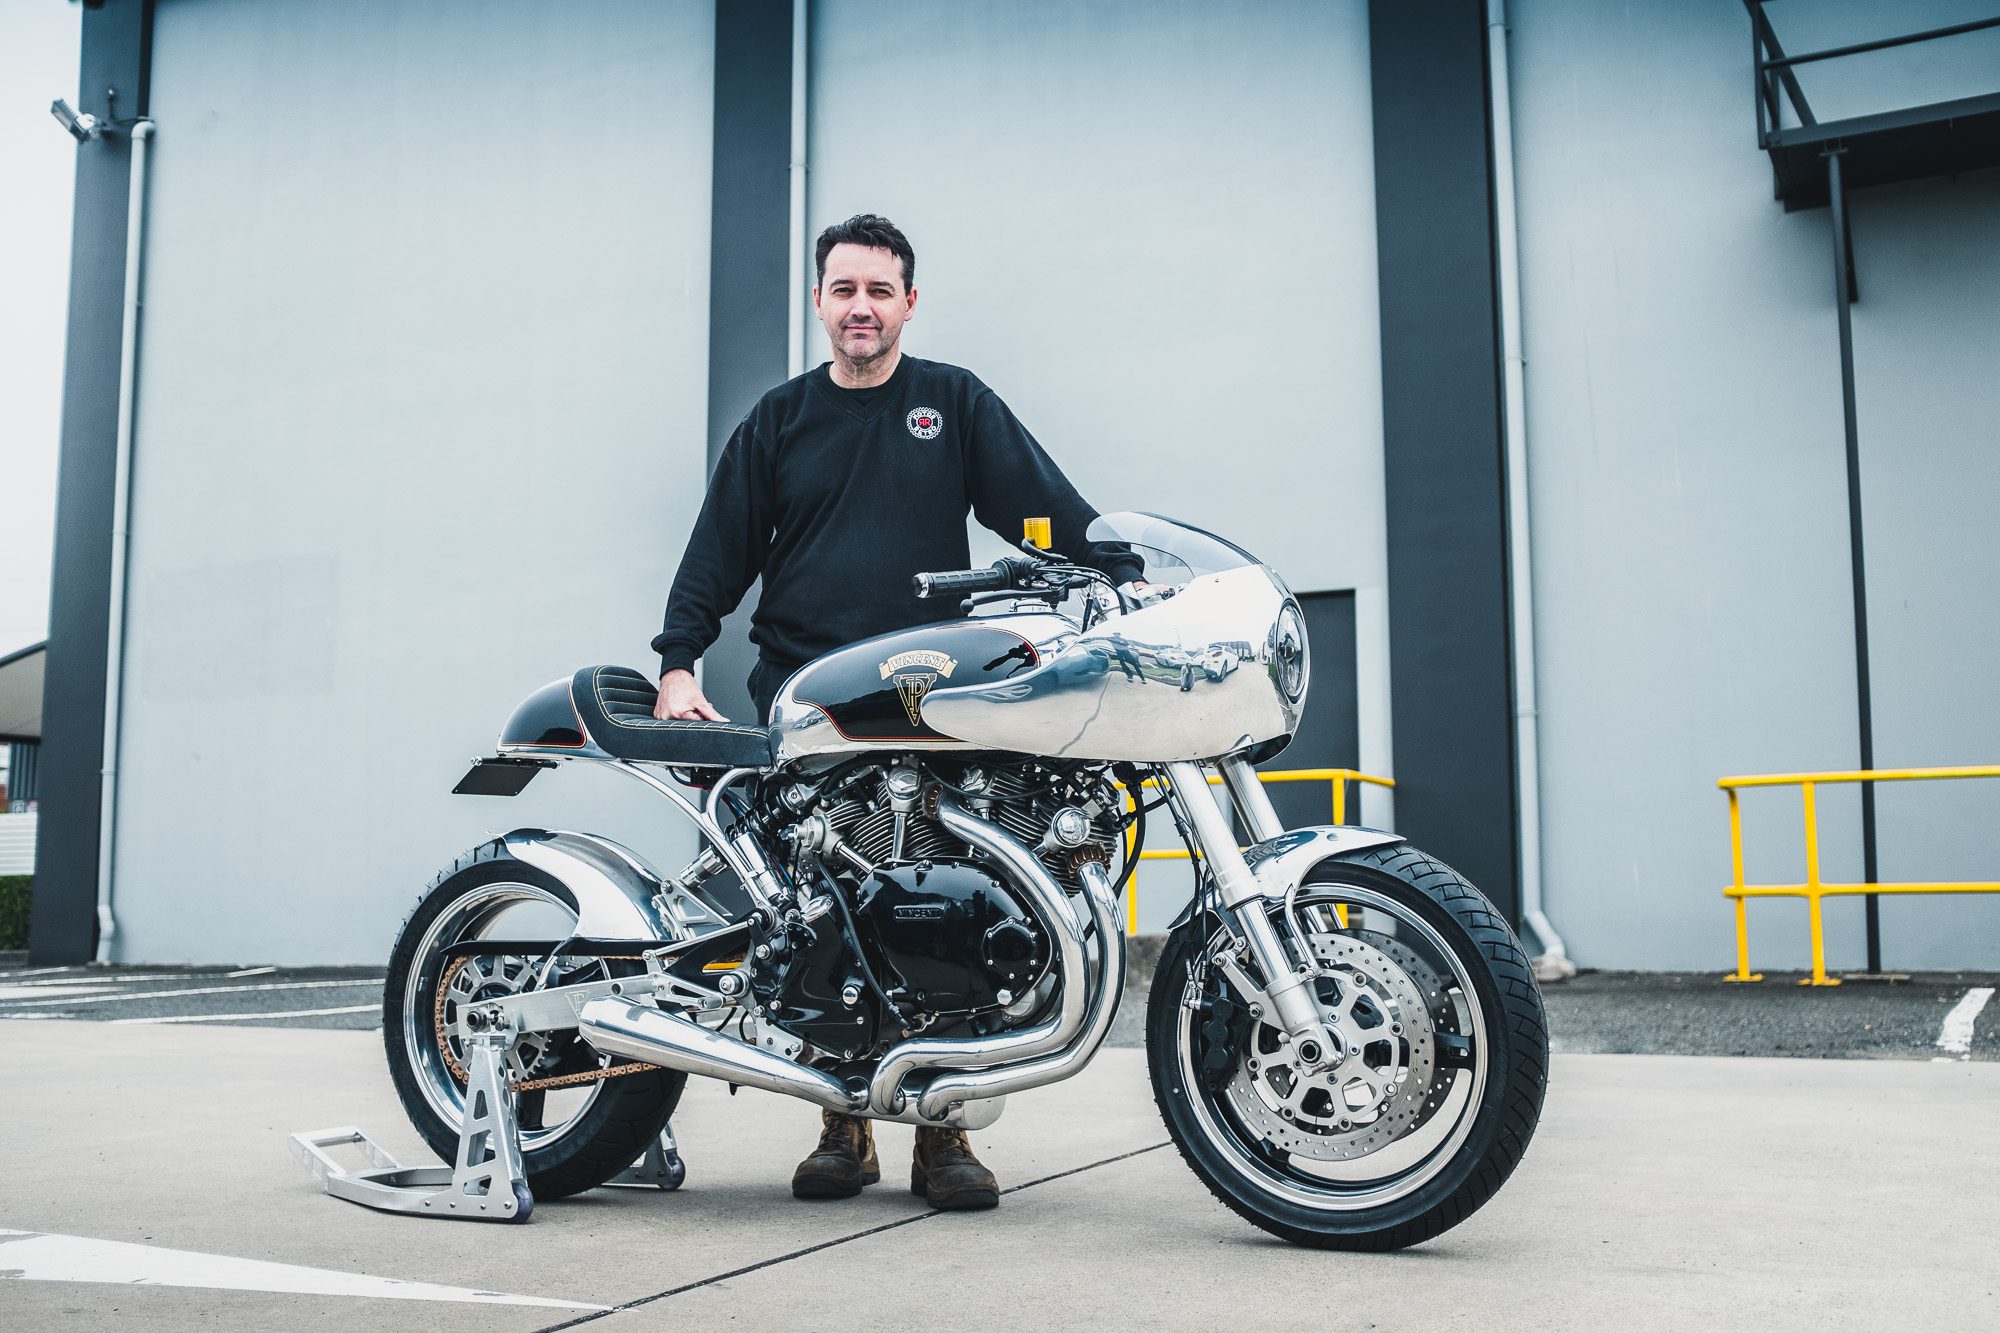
(616, 705)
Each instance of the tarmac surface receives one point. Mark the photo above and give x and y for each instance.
(148, 1158)
(1599, 1013)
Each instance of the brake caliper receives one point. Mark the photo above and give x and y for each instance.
(1225, 1027)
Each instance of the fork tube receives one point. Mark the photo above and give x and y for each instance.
(1252, 802)
(1290, 997)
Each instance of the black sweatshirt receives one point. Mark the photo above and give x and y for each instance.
(837, 496)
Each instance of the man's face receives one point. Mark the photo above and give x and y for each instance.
(862, 301)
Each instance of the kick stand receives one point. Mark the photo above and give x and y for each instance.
(488, 1183)
(661, 1166)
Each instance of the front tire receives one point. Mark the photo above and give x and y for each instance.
(572, 1139)
(1436, 1105)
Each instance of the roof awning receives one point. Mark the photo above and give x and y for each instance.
(21, 693)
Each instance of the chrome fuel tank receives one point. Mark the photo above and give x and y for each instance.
(870, 695)
(1218, 667)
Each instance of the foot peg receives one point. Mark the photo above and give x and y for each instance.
(488, 1183)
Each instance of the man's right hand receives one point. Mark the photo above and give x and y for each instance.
(681, 700)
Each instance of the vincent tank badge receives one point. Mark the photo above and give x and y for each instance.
(924, 422)
(914, 673)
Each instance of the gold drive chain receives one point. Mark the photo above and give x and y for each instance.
(523, 1085)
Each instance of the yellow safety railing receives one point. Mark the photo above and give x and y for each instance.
(1814, 889)
(1338, 777)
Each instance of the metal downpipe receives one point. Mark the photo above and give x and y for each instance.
(796, 317)
(121, 520)
(1553, 964)
(886, 1095)
(951, 1089)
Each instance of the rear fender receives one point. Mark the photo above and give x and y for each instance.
(615, 890)
(1280, 863)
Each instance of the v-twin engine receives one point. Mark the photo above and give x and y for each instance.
(925, 1078)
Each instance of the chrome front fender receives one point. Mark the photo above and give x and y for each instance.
(615, 890)
(1280, 863)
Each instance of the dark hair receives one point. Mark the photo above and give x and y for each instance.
(875, 232)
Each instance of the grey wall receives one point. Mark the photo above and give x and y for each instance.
(1690, 509)
(421, 425)
(423, 401)
(1156, 239)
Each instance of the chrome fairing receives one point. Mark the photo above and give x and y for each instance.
(807, 729)
(1192, 677)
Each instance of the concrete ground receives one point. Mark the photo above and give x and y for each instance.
(1660, 1192)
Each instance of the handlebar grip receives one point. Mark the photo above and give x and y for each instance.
(996, 577)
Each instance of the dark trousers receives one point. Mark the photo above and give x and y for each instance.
(766, 678)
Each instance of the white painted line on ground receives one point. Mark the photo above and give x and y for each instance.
(31, 1257)
(254, 972)
(23, 1018)
(30, 992)
(202, 990)
(1956, 1036)
(238, 1018)
(38, 971)
(103, 978)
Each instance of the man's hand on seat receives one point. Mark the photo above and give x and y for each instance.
(681, 700)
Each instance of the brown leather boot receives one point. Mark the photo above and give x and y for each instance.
(945, 1172)
(843, 1162)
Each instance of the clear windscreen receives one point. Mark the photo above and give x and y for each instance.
(1172, 553)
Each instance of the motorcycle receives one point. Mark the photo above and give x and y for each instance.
(906, 906)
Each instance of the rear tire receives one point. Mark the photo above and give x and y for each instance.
(616, 1122)
(1468, 983)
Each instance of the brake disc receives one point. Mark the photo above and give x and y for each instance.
(1378, 998)
(1443, 1013)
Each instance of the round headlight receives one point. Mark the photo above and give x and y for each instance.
(1289, 658)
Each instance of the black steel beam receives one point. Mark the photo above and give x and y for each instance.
(1881, 43)
(1913, 143)
(115, 67)
(1450, 659)
(1771, 63)
(1843, 298)
(749, 263)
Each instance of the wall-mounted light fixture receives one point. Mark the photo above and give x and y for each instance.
(83, 126)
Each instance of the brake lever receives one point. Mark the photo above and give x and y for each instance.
(1049, 595)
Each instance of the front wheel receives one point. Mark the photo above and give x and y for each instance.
(1427, 1109)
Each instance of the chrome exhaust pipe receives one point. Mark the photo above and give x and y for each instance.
(672, 1042)
(949, 1090)
(886, 1094)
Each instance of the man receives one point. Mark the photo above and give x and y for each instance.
(836, 488)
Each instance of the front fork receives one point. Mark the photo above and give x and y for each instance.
(1288, 981)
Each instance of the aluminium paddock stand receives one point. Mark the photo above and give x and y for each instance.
(661, 1167)
(488, 1183)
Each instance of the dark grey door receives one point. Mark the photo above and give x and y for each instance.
(1329, 735)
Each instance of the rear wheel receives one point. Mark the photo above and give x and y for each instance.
(577, 1130)
(1432, 1100)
